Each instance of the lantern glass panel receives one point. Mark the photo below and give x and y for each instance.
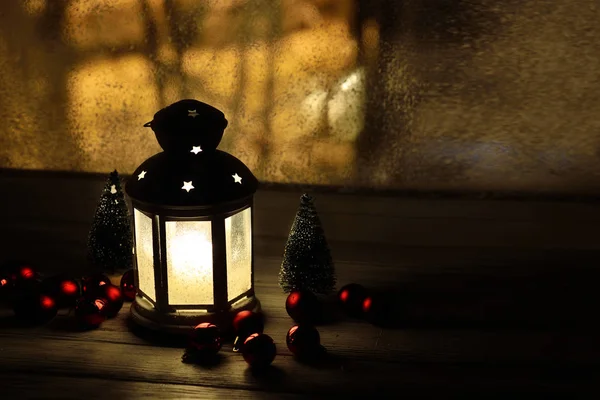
(189, 262)
(238, 241)
(144, 253)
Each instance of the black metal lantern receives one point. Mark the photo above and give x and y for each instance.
(192, 212)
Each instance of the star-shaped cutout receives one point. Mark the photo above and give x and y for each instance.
(187, 186)
(142, 175)
(113, 189)
(192, 113)
(237, 178)
(195, 149)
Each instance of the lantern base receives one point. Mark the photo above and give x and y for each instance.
(183, 321)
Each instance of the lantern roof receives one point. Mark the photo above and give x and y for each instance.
(190, 172)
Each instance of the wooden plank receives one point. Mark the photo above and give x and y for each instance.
(31, 386)
(162, 365)
(361, 341)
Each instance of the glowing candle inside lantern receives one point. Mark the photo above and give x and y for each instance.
(189, 262)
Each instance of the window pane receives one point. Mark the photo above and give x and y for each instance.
(144, 253)
(189, 262)
(238, 238)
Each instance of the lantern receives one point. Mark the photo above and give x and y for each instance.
(192, 224)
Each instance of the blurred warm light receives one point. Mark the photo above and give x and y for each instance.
(370, 39)
(34, 7)
(327, 49)
(108, 96)
(215, 72)
(106, 23)
(300, 81)
(350, 82)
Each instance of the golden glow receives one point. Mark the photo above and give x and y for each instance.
(34, 7)
(105, 94)
(144, 253)
(315, 92)
(106, 23)
(189, 262)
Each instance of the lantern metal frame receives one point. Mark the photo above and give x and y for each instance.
(158, 314)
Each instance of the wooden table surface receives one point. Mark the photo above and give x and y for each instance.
(489, 298)
(482, 341)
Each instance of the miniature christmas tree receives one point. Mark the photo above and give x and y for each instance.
(110, 238)
(307, 262)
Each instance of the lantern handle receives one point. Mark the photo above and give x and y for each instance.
(147, 124)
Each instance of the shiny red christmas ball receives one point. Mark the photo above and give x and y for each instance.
(5, 285)
(127, 286)
(21, 274)
(377, 309)
(303, 306)
(63, 289)
(246, 323)
(90, 312)
(31, 306)
(259, 350)
(113, 298)
(351, 298)
(303, 340)
(205, 339)
(93, 283)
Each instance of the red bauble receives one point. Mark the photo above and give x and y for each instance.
(127, 286)
(246, 323)
(303, 307)
(21, 274)
(62, 288)
(90, 312)
(259, 350)
(303, 340)
(113, 298)
(33, 307)
(205, 339)
(5, 285)
(377, 309)
(92, 284)
(351, 298)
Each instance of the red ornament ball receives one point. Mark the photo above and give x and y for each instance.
(248, 322)
(259, 350)
(205, 339)
(31, 306)
(303, 306)
(127, 286)
(62, 288)
(351, 298)
(303, 340)
(5, 285)
(377, 309)
(92, 284)
(111, 294)
(90, 312)
(21, 275)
